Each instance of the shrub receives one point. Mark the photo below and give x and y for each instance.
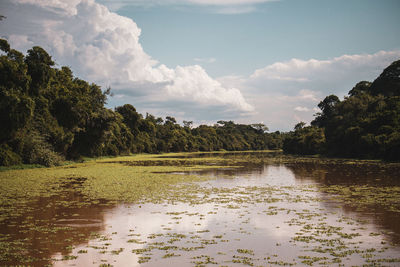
(38, 151)
(8, 157)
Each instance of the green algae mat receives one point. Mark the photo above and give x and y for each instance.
(202, 209)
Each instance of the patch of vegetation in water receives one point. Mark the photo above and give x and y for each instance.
(114, 181)
(127, 179)
(102, 181)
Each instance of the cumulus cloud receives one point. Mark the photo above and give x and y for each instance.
(301, 109)
(285, 93)
(104, 47)
(233, 10)
(336, 75)
(227, 2)
(195, 2)
(205, 60)
(218, 6)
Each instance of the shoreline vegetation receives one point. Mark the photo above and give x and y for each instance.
(269, 156)
(49, 117)
(365, 124)
(114, 179)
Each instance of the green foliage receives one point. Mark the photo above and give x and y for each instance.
(305, 140)
(4, 45)
(130, 117)
(37, 151)
(388, 83)
(8, 157)
(39, 68)
(47, 115)
(360, 88)
(15, 111)
(366, 124)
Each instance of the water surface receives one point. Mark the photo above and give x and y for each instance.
(259, 215)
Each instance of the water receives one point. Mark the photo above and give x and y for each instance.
(262, 215)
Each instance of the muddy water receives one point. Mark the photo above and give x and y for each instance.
(289, 214)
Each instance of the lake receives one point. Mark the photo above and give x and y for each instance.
(261, 213)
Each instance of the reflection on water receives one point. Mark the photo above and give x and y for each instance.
(49, 227)
(292, 214)
(367, 176)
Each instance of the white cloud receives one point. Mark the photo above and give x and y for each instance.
(233, 10)
(220, 6)
(205, 60)
(103, 47)
(181, 2)
(54, 5)
(285, 93)
(336, 75)
(227, 2)
(308, 95)
(194, 82)
(301, 109)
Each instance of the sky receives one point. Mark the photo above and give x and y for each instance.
(250, 61)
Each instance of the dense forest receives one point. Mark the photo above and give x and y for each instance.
(48, 115)
(366, 124)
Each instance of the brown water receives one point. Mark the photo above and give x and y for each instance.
(298, 214)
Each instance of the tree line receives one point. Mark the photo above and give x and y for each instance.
(365, 124)
(47, 115)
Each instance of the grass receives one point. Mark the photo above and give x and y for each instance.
(20, 167)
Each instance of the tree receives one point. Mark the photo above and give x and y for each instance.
(130, 116)
(328, 110)
(305, 140)
(15, 112)
(188, 124)
(364, 125)
(360, 88)
(299, 126)
(39, 68)
(260, 127)
(16, 106)
(388, 83)
(4, 45)
(170, 120)
(47, 114)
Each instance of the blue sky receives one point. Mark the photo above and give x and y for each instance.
(207, 60)
(274, 31)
